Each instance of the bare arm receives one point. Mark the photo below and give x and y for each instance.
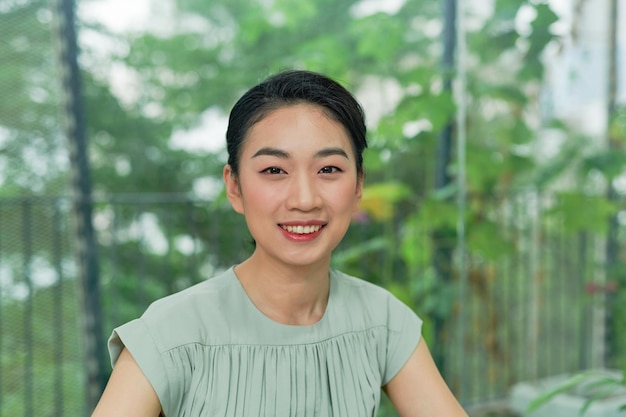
(128, 392)
(419, 390)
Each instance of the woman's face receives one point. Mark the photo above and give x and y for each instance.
(297, 185)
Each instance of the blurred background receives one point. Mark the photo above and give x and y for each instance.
(494, 199)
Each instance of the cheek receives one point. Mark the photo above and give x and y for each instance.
(257, 195)
(345, 196)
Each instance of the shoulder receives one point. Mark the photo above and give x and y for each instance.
(186, 317)
(375, 303)
(370, 307)
(358, 289)
(201, 295)
(360, 284)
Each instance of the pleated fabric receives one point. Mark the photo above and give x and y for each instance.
(208, 351)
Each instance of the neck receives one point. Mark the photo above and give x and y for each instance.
(286, 294)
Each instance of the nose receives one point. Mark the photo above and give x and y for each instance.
(303, 193)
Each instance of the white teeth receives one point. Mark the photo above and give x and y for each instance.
(301, 230)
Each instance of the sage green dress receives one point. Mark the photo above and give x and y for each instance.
(208, 351)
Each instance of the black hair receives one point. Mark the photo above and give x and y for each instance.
(289, 88)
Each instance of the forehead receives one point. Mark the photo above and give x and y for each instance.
(297, 126)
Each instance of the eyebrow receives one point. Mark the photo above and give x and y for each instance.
(279, 153)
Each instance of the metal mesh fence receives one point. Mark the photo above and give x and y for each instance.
(32, 144)
(39, 344)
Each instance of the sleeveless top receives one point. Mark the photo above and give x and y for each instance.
(208, 351)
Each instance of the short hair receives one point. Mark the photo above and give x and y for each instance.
(289, 88)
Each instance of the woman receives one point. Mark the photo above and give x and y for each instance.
(281, 334)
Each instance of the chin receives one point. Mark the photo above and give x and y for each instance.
(301, 262)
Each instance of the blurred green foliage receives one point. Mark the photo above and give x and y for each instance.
(208, 53)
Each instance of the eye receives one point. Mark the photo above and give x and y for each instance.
(330, 170)
(273, 171)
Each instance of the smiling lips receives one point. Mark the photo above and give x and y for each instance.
(302, 230)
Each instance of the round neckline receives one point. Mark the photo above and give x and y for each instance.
(249, 305)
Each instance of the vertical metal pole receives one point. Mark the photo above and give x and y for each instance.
(86, 242)
(534, 307)
(59, 334)
(611, 255)
(444, 148)
(1, 316)
(443, 252)
(461, 122)
(29, 362)
(582, 264)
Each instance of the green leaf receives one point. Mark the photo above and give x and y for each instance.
(369, 43)
(540, 36)
(379, 199)
(597, 211)
(606, 392)
(560, 389)
(356, 252)
(610, 162)
(485, 239)
(617, 126)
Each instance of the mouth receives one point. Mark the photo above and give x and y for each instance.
(302, 230)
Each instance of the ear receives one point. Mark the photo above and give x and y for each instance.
(359, 190)
(233, 191)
